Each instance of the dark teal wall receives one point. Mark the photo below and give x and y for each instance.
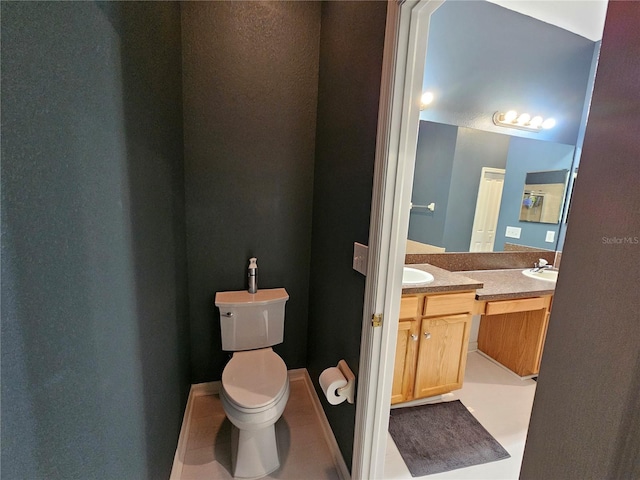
(258, 172)
(351, 44)
(103, 203)
(250, 93)
(94, 331)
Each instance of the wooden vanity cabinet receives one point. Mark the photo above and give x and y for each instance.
(433, 337)
(406, 347)
(512, 332)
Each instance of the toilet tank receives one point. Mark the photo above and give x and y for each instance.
(251, 320)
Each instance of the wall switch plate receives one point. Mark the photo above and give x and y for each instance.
(360, 255)
(551, 236)
(513, 232)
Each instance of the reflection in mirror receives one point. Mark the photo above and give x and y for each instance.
(472, 73)
(543, 196)
(473, 180)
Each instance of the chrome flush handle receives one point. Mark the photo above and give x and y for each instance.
(228, 314)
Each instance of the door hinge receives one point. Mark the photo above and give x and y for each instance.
(376, 320)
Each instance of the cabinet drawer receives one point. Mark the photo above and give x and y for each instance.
(520, 305)
(409, 307)
(449, 303)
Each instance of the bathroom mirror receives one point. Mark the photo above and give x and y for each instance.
(543, 196)
(460, 147)
(474, 181)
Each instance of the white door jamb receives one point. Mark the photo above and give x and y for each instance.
(399, 114)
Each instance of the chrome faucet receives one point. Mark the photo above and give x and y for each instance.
(540, 265)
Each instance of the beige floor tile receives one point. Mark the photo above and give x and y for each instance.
(206, 406)
(307, 470)
(207, 430)
(304, 453)
(502, 403)
(208, 471)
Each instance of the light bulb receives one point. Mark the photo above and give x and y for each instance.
(510, 116)
(426, 99)
(523, 119)
(536, 121)
(548, 123)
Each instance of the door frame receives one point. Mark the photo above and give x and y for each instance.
(398, 121)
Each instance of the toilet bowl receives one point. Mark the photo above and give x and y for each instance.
(254, 393)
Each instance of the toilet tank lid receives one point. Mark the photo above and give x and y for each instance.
(261, 297)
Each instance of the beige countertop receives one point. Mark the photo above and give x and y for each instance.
(444, 281)
(508, 284)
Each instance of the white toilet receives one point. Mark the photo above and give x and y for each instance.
(255, 384)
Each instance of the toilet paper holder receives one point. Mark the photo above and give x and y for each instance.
(349, 389)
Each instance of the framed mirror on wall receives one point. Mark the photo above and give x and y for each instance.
(472, 74)
(543, 196)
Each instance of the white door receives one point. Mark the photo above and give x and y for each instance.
(399, 116)
(485, 220)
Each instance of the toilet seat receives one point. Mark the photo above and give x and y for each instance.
(254, 380)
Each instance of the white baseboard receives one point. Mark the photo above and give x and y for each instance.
(213, 388)
(473, 347)
(338, 459)
(207, 388)
(181, 448)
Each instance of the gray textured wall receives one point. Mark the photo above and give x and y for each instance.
(94, 361)
(250, 92)
(351, 44)
(585, 422)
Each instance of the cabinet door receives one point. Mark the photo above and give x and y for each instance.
(404, 367)
(442, 354)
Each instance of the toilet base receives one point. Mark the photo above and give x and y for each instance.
(254, 453)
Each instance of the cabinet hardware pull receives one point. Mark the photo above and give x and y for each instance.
(427, 335)
(414, 337)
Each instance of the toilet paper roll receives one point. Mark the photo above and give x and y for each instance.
(330, 380)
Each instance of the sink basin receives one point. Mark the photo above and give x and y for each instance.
(548, 275)
(413, 276)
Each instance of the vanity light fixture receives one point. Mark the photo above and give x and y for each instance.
(425, 100)
(523, 121)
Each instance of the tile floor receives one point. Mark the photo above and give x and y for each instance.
(304, 453)
(502, 403)
(498, 399)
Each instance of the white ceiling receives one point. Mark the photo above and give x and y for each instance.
(583, 17)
